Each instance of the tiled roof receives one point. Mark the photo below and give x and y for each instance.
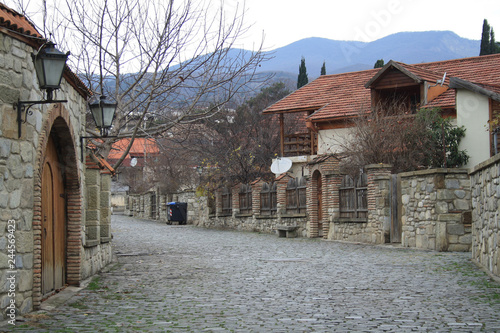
(323, 93)
(141, 147)
(14, 21)
(344, 95)
(443, 101)
(483, 69)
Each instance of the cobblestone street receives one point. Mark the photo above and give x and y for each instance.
(188, 279)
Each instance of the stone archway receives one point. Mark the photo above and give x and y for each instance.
(57, 128)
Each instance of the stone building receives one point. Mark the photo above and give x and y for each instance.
(46, 239)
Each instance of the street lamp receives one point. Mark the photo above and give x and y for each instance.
(103, 112)
(49, 65)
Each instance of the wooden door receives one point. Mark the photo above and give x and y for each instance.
(53, 222)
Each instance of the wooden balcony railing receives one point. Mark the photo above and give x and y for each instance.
(299, 144)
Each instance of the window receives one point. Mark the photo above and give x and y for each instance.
(353, 197)
(296, 201)
(227, 201)
(245, 197)
(268, 199)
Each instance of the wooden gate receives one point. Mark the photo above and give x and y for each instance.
(395, 211)
(53, 222)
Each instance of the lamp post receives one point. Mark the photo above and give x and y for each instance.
(49, 65)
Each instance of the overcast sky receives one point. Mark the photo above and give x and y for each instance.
(286, 21)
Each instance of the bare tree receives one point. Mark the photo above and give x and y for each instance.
(407, 139)
(172, 62)
(387, 134)
(242, 142)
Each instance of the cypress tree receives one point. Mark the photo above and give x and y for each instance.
(493, 45)
(485, 39)
(323, 69)
(379, 63)
(302, 79)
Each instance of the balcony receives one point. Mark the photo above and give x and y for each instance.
(300, 144)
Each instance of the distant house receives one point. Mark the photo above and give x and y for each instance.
(136, 166)
(470, 93)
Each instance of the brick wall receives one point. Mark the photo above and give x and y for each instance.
(374, 228)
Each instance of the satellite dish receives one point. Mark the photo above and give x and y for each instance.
(133, 162)
(281, 165)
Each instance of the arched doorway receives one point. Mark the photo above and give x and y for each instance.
(318, 184)
(58, 225)
(53, 222)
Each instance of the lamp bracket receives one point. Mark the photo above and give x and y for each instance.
(83, 137)
(24, 107)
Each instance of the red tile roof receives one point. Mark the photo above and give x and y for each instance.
(140, 148)
(443, 101)
(12, 20)
(344, 95)
(323, 93)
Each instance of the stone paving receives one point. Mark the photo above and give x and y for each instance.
(188, 279)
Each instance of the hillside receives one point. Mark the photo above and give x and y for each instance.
(346, 56)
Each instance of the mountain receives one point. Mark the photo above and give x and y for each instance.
(348, 56)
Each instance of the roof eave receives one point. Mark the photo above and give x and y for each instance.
(294, 110)
(456, 83)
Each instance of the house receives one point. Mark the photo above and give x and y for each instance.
(135, 170)
(54, 206)
(342, 208)
(465, 89)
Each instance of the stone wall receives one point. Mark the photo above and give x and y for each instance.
(436, 210)
(255, 221)
(485, 185)
(140, 205)
(21, 164)
(97, 249)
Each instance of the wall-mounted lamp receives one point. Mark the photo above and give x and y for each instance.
(49, 66)
(103, 112)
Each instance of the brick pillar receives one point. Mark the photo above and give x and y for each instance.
(379, 202)
(281, 183)
(105, 200)
(93, 203)
(312, 206)
(256, 188)
(332, 201)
